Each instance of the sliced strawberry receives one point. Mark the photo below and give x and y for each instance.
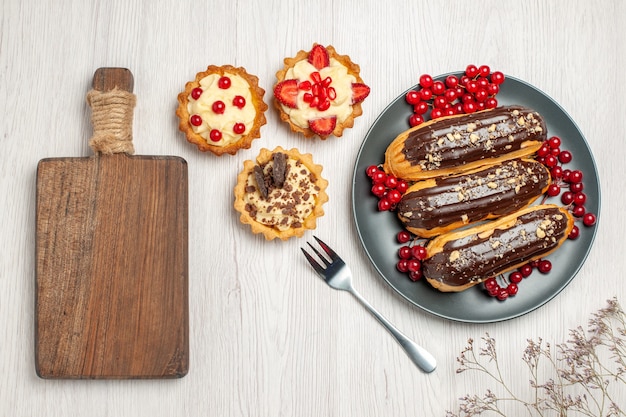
(323, 126)
(286, 92)
(318, 57)
(359, 92)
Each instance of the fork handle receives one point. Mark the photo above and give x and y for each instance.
(418, 355)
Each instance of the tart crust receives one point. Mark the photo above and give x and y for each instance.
(245, 142)
(353, 69)
(269, 231)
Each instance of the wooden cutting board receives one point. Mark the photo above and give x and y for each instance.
(112, 255)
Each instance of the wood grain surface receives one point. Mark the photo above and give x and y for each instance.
(112, 263)
(266, 337)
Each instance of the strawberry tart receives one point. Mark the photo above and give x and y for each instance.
(319, 92)
(281, 193)
(222, 110)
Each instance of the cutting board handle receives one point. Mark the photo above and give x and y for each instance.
(112, 103)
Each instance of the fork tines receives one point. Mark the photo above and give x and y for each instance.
(316, 265)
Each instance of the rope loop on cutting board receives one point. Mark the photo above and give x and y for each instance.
(112, 120)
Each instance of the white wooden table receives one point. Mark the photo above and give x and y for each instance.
(267, 338)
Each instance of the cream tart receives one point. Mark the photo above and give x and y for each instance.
(222, 110)
(281, 193)
(319, 92)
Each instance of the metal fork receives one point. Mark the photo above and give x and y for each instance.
(338, 276)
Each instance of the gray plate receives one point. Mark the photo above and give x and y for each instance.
(377, 230)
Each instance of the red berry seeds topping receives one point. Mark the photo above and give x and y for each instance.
(224, 82)
(316, 83)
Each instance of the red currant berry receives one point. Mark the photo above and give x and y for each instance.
(578, 211)
(414, 265)
(426, 81)
(550, 161)
(497, 77)
(565, 157)
(218, 107)
(516, 277)
(556, 172)
(554, 142)
(566, 174)
(379, 190)
(404, 252)
(450, 95)
(544, 266)
(589, 219)
(580, 199)
(371, 170)
(526, 270)
(438, 88)
(419, 252)
(412, 97)
(239, 102)
(481, 95)
(512, 289)
(416, 120)
(391, 181)
(567, 198)
(469, 107)
(223, 83)
(403, 265)
(576, 187)
(415, 275)
(491, 103)
(491, 283)
(472, 86)
(436, 113)
(493, 89)
(574, 233)
(503, 294)
(426, 94)
(403, 236)
(421, 107)
(379, 177)
(239, 128)
(452, 81)
(402, 186)
(553, 190)
(384, 204)
(195, 120)
(394, 196)
(484, 71)
(471, 71)
(440, 102)
(196, 93)
(543, 151)
(215, 135)
(576, 176)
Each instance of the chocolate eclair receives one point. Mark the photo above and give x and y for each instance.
(463, 258)
(438, 205)
(455, 144)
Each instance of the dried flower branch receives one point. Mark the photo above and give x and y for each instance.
(586, 374)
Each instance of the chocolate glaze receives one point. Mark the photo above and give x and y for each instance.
(494, 191)
(454, 141)
(475, 258)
